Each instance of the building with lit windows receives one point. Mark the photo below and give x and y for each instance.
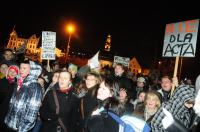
(135, 66)
(15, 42)
(31, 44)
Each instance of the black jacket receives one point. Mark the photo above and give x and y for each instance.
(102, 123)
(125, 83)
(90, 101)
(6, 90)
(68, 111)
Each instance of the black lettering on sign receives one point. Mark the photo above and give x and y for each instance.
(172, 38)
(186, 38)
(47, 55)
(180, 45)
(181, 49)
(189, 50)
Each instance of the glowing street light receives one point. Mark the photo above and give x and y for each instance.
(69, 29)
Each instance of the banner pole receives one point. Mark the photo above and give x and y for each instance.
(175, 73)
(48, 66)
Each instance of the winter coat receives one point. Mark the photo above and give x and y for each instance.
(102, 123)
(6, 90)
(25, 102)
(68, 103)
(125, 83)
(176, 107)
(165, 95)
(89, 103)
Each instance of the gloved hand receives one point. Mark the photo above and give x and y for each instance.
(168, 119)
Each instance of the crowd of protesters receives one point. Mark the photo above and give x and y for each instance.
(36, 98)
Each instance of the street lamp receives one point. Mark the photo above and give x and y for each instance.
(70, 29)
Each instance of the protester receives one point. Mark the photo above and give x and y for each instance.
(152, 103)
(171, 124)
(166, 86)
(100, 121)
(3, 69)
(59, 108)
(89, 100)
(8, 56)
(53, 82)
(139, 100)
(141, 86)
(26, 99)
(73, 69)
(179, 106)
(123, 82)
(124, 101)
(7, 87)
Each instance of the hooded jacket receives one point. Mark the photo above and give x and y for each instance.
(25, 103)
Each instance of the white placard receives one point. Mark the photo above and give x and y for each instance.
(123, 60)
(48, 45)
(180, 39)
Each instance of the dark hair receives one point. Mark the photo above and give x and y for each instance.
(112, 85)
(10, 50)
(168, 77)
(113, 104)
(141, 92)
(42, 79)
(120, 64)
(96, 75)
(25, 62)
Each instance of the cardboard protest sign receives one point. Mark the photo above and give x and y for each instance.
(48, 45)
(180, 39)
(123, 60)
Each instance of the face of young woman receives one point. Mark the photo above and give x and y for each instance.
(3, 69)
(41, 82)
(90, 81)
(151, 103)
(64, 80)
(103, 92)
(55, 78)
(122, 94)
(12, 73)
(141, 97)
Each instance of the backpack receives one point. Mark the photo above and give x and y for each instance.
(129, 123)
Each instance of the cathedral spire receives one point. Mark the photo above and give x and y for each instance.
(108, 43)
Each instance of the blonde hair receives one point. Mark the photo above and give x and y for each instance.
(153, 95)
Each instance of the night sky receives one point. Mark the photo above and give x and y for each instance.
(137, 29)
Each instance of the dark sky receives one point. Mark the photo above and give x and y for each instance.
(137, 29)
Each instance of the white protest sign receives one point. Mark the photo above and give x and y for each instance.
(123, 60)
(94, 61)
(180, 39)
(48, 45)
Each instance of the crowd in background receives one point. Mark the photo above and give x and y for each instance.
(69, 98)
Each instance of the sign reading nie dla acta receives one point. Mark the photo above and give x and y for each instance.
(180, 39)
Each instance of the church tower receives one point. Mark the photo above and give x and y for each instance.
(12, 40)
(108, 43)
